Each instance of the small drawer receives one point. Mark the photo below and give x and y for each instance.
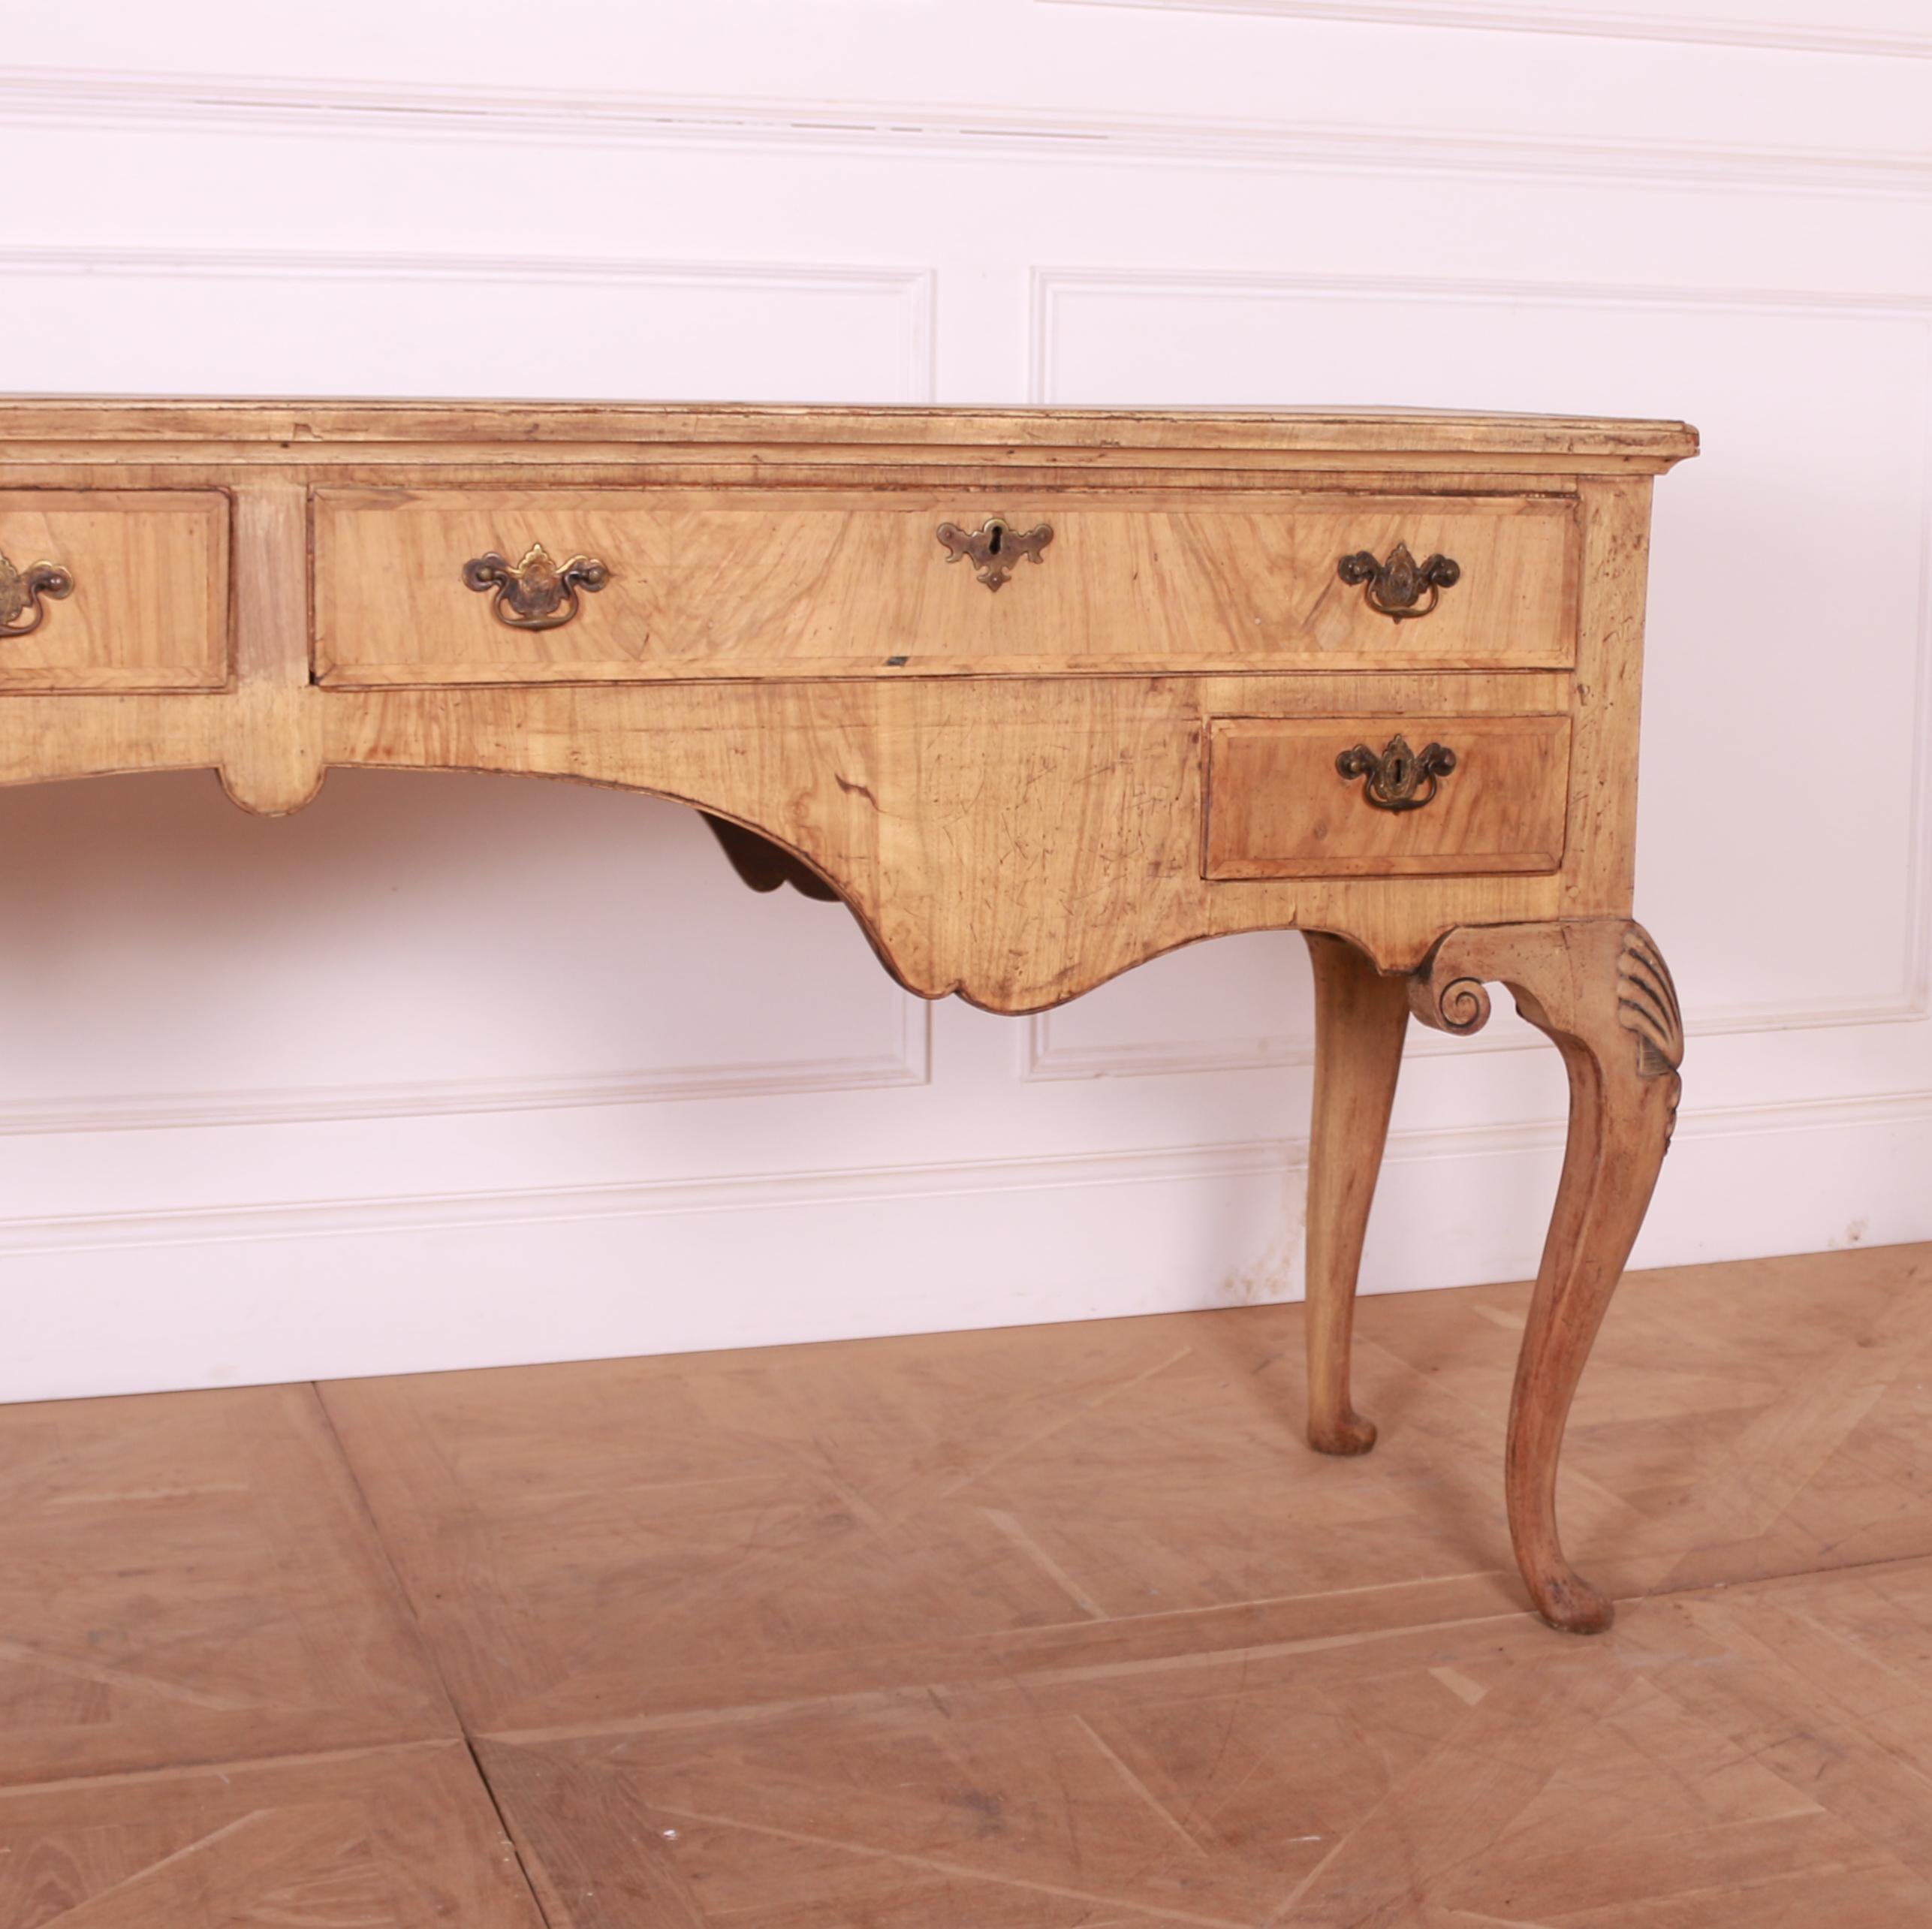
(1385, 796)
(462, 586)
(113, 589)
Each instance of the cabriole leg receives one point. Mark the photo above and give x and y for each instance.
(1601, 991)
(1360, 1018)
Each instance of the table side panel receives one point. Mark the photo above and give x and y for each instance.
(1606, 701)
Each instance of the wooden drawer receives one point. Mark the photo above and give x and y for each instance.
(136, 595)
(759, 584)
(1279, 806)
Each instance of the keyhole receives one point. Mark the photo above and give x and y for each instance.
(994, 533)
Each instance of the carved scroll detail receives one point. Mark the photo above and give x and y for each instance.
(1637, 1000)
(1462, 1006)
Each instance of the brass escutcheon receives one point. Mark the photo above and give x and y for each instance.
(21, 591)
(1397, 779)
(1394, 588)
(538, 593)
(994, 548)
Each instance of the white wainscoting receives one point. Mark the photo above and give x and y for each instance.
(241, 322)
(1885, 27)
(452, 1070)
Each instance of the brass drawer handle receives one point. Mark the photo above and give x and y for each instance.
(995, 547)
(1397, 779)
(538, 593)
(21, 591)
(1393, 588)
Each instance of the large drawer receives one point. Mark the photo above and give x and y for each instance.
(440, 586)
(113, 589)
(1385, 796)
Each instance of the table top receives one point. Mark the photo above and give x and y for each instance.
(1392, 433)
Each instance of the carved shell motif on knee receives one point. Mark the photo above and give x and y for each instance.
(1647, 1004)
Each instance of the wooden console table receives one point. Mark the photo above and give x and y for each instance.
(1039, 695)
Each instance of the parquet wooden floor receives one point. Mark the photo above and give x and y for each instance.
(1058, 1628)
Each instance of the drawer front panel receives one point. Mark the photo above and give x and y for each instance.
(1279, 804)
(113, 589)
(677, 584)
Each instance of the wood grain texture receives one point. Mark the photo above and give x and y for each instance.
(149, 607)
(190, 1580)
(1278, 807)
(401, 1838)
(743, 584)
(922, 802)
(1015, 841)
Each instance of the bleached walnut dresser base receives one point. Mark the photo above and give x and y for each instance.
(1039, 695)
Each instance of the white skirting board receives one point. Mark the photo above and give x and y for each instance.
(130, 1303)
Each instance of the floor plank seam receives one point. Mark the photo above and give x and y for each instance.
(783, 1706)
(496, 1809)
(390, 1567)
(1757, 1581)
(222, 1765)
(859, 1700)
(428, 1648)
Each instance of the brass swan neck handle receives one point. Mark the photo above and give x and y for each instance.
(22, 611)
(1397, 778)
(537, 593)
(1394, 588)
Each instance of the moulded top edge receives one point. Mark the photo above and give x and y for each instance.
(1394, 433)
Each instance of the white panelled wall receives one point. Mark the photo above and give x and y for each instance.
(452, 1070)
